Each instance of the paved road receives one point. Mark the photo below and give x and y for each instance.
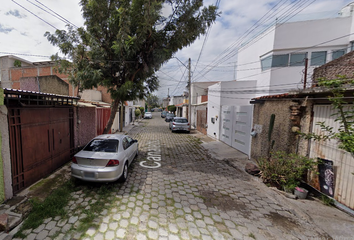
(175, 190)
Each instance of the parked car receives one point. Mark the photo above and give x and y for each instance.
(105, 158)
(180, 124)
(148, 115)
(169, 117)
(163, 114)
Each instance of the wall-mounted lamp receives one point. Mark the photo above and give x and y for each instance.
(253, 132)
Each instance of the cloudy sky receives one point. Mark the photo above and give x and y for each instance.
(213, 56)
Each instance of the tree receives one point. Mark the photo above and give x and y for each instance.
(152, 101)
(125, 42)
(171, 108)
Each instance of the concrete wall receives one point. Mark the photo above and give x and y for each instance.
(47, 84)
(5, 157)
(92, 95)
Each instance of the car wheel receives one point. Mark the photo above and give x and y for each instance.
(124, 176)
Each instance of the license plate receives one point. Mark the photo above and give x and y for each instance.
(89, 174)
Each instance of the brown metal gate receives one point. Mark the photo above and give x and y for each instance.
(202, 121)
(41, 140)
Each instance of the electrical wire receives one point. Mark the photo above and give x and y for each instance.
(34, 14)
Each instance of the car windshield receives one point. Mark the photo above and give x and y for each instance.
(102, 145)
(181, 120)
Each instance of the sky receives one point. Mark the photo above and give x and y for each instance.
(213, 56)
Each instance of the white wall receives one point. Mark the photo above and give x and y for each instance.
(214, 103)
(232, 93)
(305, 34)
(293, 37)
(248, 58)
(199, 89)
(92, 95)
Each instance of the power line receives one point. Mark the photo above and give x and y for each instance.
(34, 14)
(234, 52)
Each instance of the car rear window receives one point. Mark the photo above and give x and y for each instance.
(181, 120)
(170, 115)
(102, 145)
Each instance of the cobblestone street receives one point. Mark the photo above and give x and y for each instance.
(184, 195)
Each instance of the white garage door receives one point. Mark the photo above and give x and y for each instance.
(242, 126)
(226, 124)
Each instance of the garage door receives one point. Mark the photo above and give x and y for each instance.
(41, 140)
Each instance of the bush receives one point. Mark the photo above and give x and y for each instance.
(137, 112)
(284, 170)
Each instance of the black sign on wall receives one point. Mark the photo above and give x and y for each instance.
(326, 177)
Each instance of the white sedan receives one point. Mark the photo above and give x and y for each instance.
(105, 158)
(148, 115)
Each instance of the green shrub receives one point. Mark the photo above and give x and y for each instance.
(137, 112)
(284, 170)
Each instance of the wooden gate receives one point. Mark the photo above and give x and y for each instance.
(202, 121)
(41, 140)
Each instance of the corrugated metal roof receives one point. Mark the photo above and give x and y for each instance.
(18, 91)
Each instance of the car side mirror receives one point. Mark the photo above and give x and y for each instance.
(135, 140)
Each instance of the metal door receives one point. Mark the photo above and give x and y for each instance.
(343, 162)
(41, 140)
(242, 126)
(202, 121)
(226, 124)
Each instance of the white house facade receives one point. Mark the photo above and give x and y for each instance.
(276, 59)
(230, 113)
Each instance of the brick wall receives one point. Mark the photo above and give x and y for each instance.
(341, 66)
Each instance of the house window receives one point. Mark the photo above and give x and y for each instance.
(338, 53)
(352, 46)
(298, 59)
(318, 58)
(266, 63)
(280, 60)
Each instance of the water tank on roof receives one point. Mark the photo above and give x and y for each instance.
(347, 11)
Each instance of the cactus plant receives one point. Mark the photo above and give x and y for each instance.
(270, 132)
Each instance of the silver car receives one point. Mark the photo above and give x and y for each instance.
(148, 115)
(179, 124)
(105, 158)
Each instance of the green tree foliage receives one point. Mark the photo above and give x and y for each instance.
(171, 108)
(344, 114)
(152, 101)
(124, 43)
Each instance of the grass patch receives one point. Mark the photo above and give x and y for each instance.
(327, 201)
(251, 235)
(52, 206)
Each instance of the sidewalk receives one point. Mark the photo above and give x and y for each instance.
(336, 223)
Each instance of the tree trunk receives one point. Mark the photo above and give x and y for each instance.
(121, 118)
(114, 109)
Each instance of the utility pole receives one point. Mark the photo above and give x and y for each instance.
(305, 74)
(190, 92)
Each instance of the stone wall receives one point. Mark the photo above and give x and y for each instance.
(285, 139)
(341, 66)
